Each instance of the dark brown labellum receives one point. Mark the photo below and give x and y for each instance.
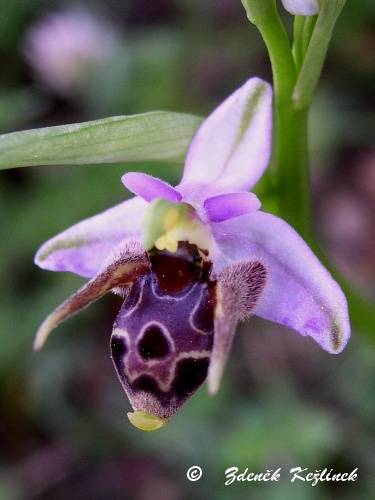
(163, 335)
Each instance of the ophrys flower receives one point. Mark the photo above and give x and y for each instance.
(193, 260)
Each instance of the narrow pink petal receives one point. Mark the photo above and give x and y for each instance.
(240, 287)
(149, 187)
(300, 292)
(232, 147)
(225, 206)
(302, 7)
(121, 270)
(83, 248)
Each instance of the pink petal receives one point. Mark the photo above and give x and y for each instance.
(240, 288)
(300, 292)
(83, 248)
(232, 147)
(149, 187)
(122, 268)
(302, 7)
(225, 206)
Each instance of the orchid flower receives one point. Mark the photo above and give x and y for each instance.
(302, 7)
(192, 261)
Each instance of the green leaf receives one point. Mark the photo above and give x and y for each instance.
(155, 136)
(316, 52)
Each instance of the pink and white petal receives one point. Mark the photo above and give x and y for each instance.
(149, 187)
(232, 147)
(302, 7)
(300, 293)
(228, 205)
(83, 248)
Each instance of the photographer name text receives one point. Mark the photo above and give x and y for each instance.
(296, 474)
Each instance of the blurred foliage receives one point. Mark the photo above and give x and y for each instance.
(63, 427)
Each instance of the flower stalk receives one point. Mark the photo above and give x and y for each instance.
(290, 154)
(296, 71)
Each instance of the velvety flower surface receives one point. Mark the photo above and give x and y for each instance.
(193, 260)
(302, 7)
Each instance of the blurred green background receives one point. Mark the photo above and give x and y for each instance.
(284, 403)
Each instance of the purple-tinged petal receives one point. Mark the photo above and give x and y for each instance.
(300, 292)
(149, 187)
(302, 7)
(83, 248)
(240, 287)
(232, 147)
(125, 265)
(225, 206)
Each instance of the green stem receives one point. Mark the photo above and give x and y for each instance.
(295, 81)
(290, 158)
(291, 163)
(264, 14)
